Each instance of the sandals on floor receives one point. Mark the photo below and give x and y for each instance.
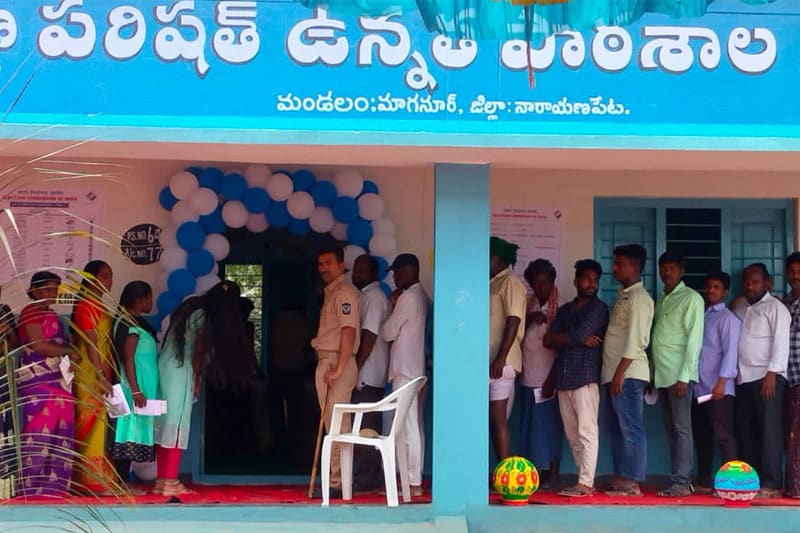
(175, 488)
(577, 491)
(628, 489)
(676, 491)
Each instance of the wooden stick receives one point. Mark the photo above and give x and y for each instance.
(319, 442)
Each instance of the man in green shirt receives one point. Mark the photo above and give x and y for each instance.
(677, 339)
(625, 371)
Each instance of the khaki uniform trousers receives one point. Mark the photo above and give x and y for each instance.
(340, 392)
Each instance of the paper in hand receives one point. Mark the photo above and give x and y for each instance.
(66, 370)
(704, 398)
(152, 408)
(538, 397)
(116, 402)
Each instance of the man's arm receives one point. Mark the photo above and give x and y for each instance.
(368, 339)
(779, 352)
(729, 344)
(509, 335)
(400, 314)
(693, 324)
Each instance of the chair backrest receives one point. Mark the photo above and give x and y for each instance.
(403, 397)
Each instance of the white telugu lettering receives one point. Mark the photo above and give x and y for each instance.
(8, 29)
(612, 48)
(55, 41)
(128, 20)
(741, 38)
(170, 45)
(314, 40)
(391, 55)
(226, 45)
(674, 53)
(454, 54)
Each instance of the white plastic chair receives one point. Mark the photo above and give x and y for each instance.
(391, 445)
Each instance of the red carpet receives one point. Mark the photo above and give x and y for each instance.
(296, 494)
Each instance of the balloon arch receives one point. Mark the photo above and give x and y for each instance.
(204, 202)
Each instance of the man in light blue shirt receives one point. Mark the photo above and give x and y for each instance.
(712, 418)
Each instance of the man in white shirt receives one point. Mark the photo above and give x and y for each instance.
(763, 358)
(405, 329)
(372, 359)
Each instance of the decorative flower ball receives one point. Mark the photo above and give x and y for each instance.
(737, 483)
(515, 478)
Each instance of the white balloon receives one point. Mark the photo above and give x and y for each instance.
(321, 220)
(183, 184)
(300, 204)
(183, 212)
(348, 182)
(173, 258)
(382, 244)
(339, 231)
(203, 201)
(257, 175)
(383, 226)
(218, 245)
(351, 253)
(257, 222)
(168, 237)
(280, 187)
(145, 471)
(204, 283)
(370, 206)
(215, 269)
(234, 213)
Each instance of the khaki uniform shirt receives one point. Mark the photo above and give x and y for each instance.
(339, 309)
(507, 297)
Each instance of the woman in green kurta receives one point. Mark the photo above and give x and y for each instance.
(134, 340)
(206, 337)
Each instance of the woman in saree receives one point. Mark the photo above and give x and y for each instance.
(92, 335)
(48, 410)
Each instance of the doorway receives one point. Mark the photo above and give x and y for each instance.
(269, 429)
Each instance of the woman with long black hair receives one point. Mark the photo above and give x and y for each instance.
(206, 338)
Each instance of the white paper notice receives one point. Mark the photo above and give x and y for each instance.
(152, 408)
(55, 228)
(538, 231)
(651, 397)
(704, 398)
(116, 402)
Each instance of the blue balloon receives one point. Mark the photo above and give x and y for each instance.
(386, 289)
(195, 170)
(182, 282)
(299, 226)
(369, 187)
(324, 193)
(190, 235)
(167, 302)
(303, 180)
(167, 199)
(211, 178)
(345, 209)
(233, 186)
(213, 223)
(278, 215)
(256, 200)
(359, 232)
(200, 262)
(383, 267)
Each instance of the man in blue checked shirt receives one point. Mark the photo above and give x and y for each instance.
(792, 301)
(712, 418)
(577, 335)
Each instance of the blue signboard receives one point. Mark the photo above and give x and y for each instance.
(279, 66)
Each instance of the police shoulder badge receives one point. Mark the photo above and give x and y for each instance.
(345, 309)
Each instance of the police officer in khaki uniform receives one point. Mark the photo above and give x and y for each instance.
(336, 344)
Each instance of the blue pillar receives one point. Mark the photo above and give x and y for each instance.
(461, 338)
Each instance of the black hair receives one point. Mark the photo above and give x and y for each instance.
(722, 277)
(132, 292)
(792, 258)
(585, 265)
(224, 352)
(540, 266)
(40, 279)
(759, 266)
(374, 266)
(633, 252)
(338, 251)
(87, 284)
(672, 256)
(246, 306)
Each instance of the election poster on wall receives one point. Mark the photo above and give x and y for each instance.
(56, 229)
